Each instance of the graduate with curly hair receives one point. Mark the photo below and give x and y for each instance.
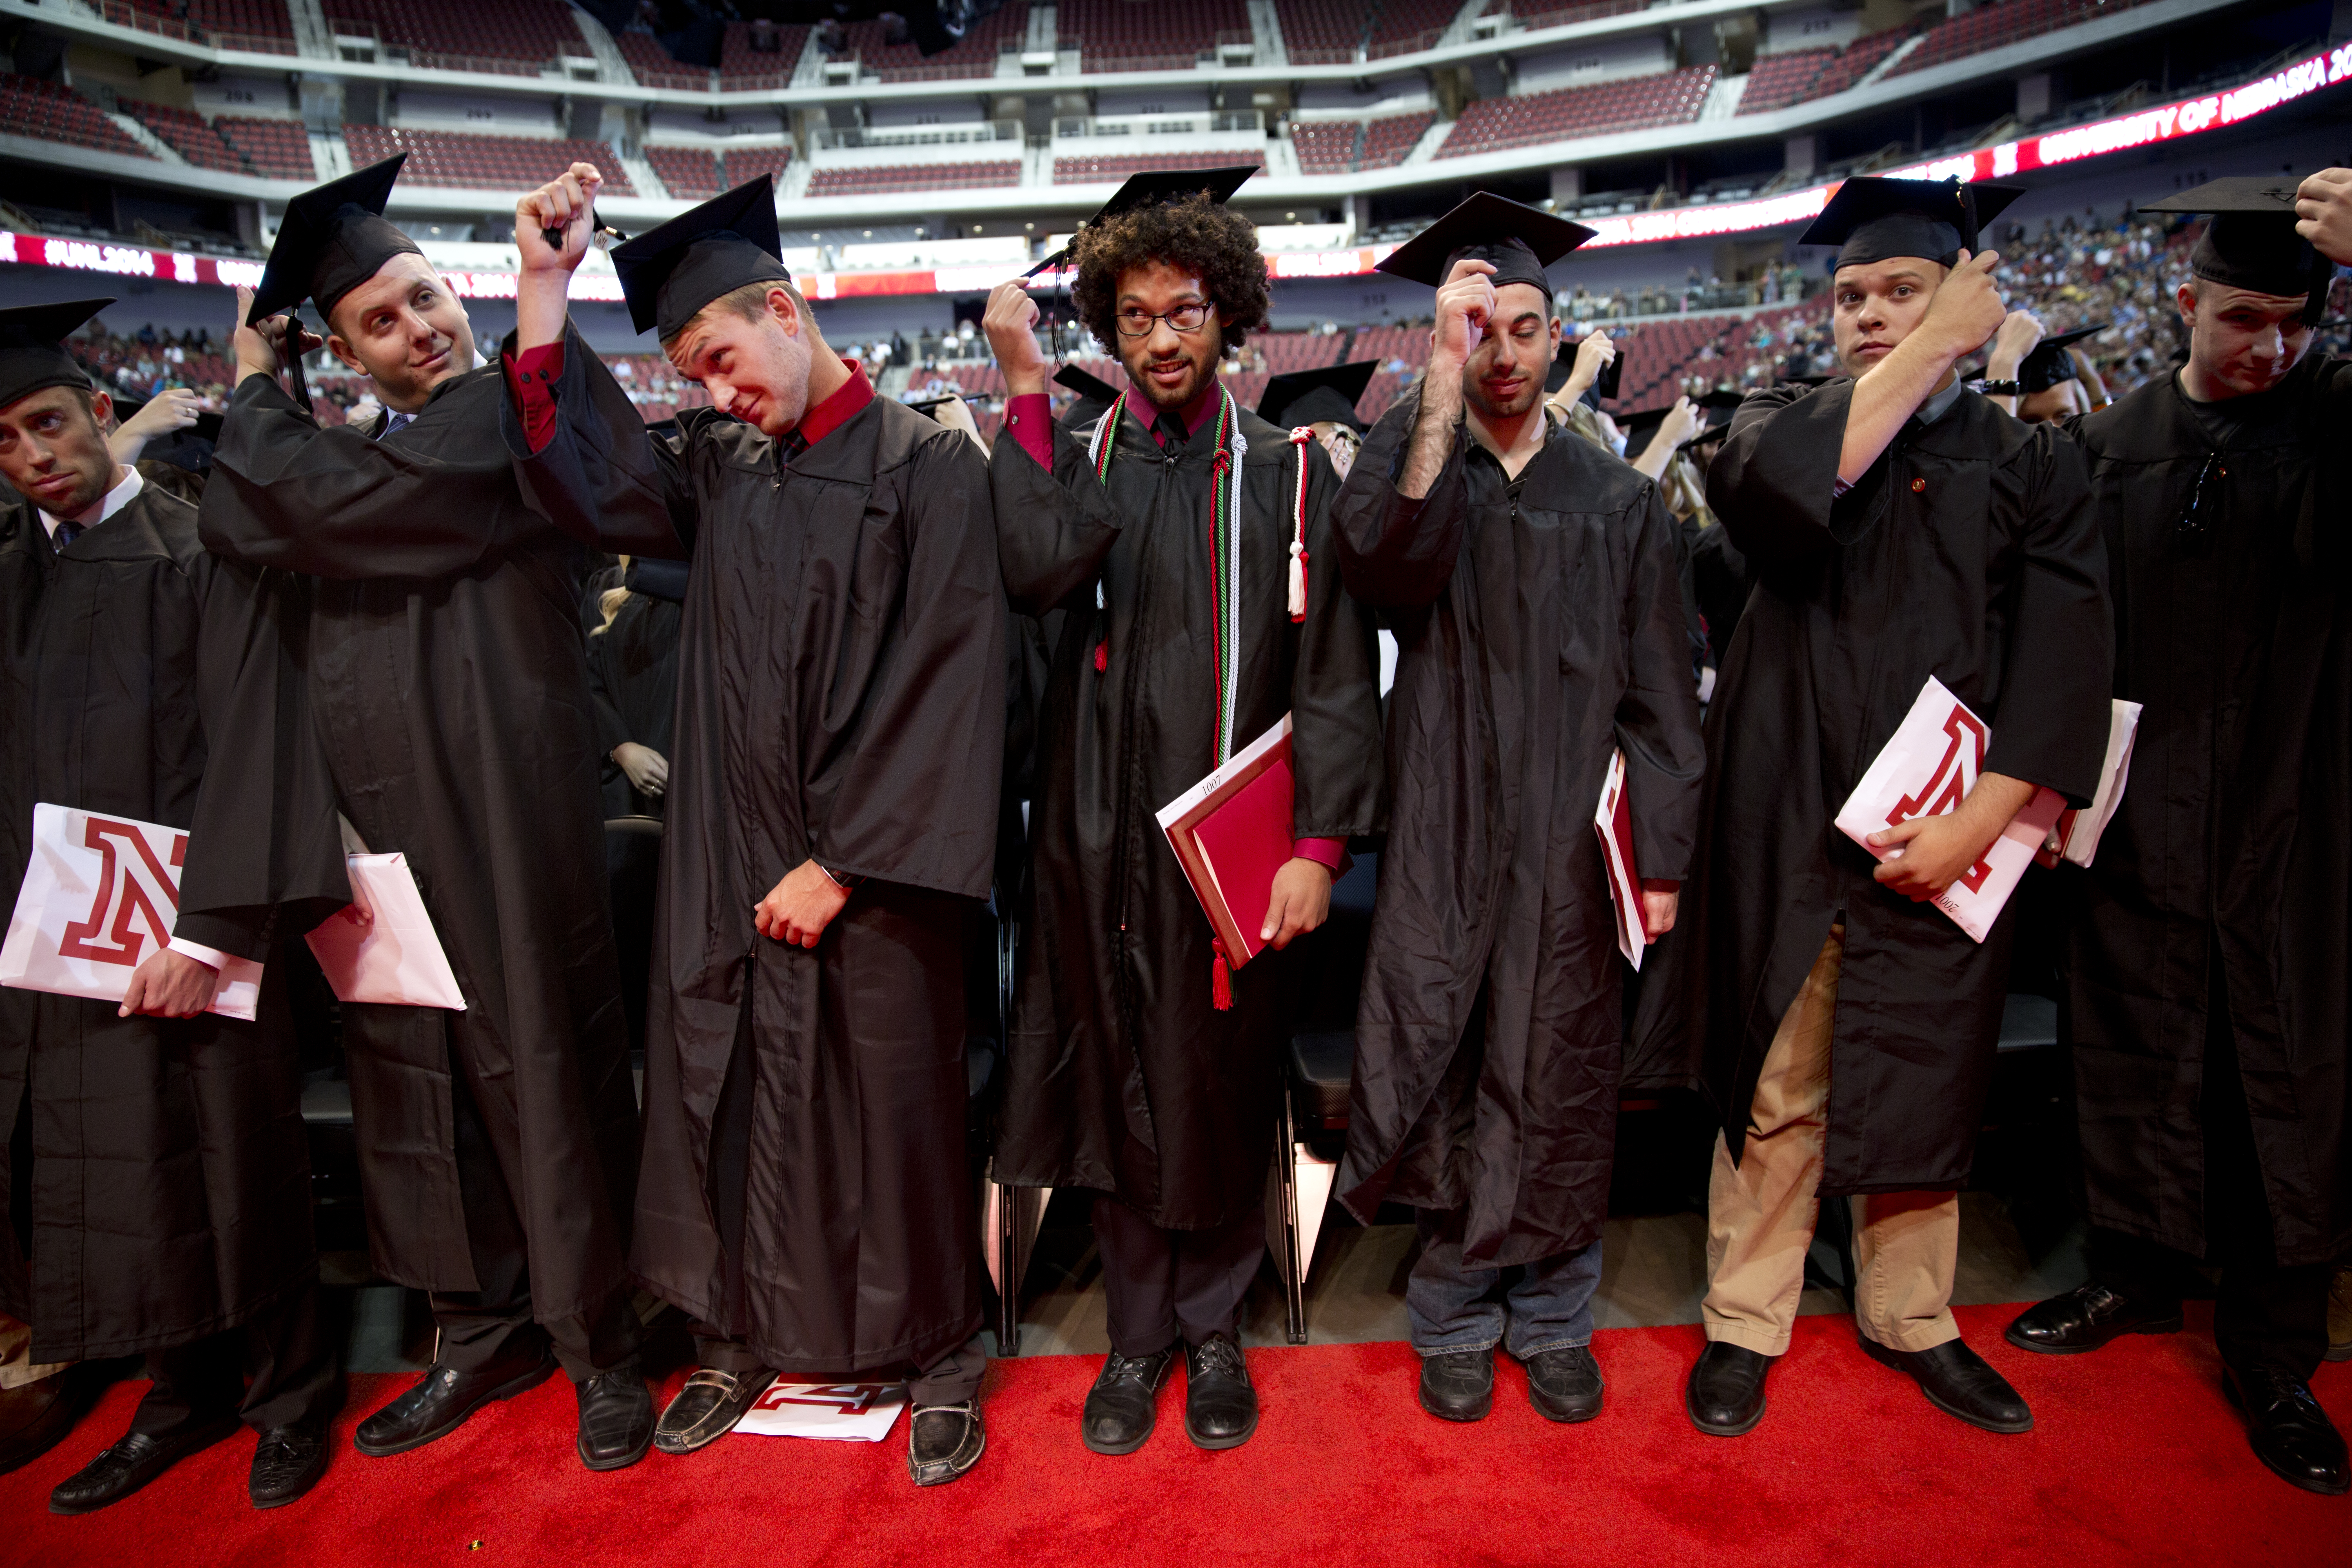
(1184, 537)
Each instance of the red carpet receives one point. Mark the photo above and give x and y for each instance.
(2136, 1458)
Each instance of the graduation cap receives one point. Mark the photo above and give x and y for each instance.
(207, 426)
(2048, 364)
(1153, 187)
(1603, 385)
(33, 352)
(2252, 242)
(1872, 218)
(1640, 429)
(1095, 395)
(1312, 397)
(667, 274)
(1519, 240)
(333, 238)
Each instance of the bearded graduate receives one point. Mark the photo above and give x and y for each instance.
(1489, 1036)
(831, 804)
(449, 691)
(2210, 967)
(158, 1178)
(1898, 527)
(1187, 540)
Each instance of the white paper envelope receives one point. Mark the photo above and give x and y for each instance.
(100, 893)
(381, 948)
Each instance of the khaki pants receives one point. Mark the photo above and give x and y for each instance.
(17, 1367)
(1760, 1212)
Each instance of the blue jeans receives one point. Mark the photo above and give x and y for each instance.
(1457, 1308)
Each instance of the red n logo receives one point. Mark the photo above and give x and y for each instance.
(130, 884)
(1954, 776)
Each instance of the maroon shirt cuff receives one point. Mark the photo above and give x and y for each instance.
(530, 376)
(1030, 417)
(1326, 852)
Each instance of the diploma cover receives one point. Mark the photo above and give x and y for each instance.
(1231, 832)
(1613, 821)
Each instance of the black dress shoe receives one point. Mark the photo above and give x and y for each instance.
(2290, 1432)
(708, 1407)
(1124, 1404)
(1220, 1406)
(1724, 1396)
(1958, 1382)
(943, 1441)
(131, 1464)
(35, 1419)
(1565, 1384)
(287, 1462)
(439, 1403)
(616, 1419)
(1458, 1385)
(2087, 1317)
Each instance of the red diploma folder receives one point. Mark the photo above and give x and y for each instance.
(1231, 832)
(1612, 820)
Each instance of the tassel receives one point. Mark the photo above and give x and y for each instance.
(1221, 982)
(1297, 581)
(1102, 657)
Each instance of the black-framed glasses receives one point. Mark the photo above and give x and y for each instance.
(2195, 520)
(1185, 319)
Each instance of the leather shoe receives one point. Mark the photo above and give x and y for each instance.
(1724, 1396)
(131, 1464)
(708, 1407)
(2087, 1318)
(1124, 1404)
(2290, 1432)
(1565, 1384)
(1458, 1385)
(616, 1418)
(1958, 1382)
(35, 1419)
(943, 1441)
(287, 1462)
(439, 1403)
(1220, 1406)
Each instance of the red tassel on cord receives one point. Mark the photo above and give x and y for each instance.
(1102, 657)
(1221, 981)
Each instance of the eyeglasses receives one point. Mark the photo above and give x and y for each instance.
(1185, 319)
(2194, 522)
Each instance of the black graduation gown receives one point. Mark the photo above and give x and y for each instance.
(841, 697)
(1967, 552)
(1124, 1076)
(450, 692)
(632, 680)
(2234, 828)
(1536, 635)
(169, 1179)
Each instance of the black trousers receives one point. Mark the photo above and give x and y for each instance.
(296, 1379)
(491, 1330)
(1162, 1285)
(2264, 1313)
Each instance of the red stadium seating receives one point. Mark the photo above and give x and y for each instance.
(889, 179)
(260, 27)
(973, 54)
(1410, 345)
(1540, 14)
(1780, 80)
(2004, 21)
(1631, 103)
(1326, 146)
(511, 37)
(1856, 62)
(1402, 26)
(691, 174)
(481, 162)
(750, 162)
(652, 65)
(1287, 351)
(1322, 32)
(276, 149)
(1389, 140)
(1167, 34)
(185, 131)
(50, 112)
(741, 67)
(1087, 171)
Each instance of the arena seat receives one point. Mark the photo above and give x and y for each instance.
(275, 149)
(1780, 80)
(1322, 32)
(1856, 60)
(1326, 146)
(47, 111)
(742, 163)
(692, 173)
(512, 38)
(481, 162)
(185, 131)
(1119, 35)
(1538, 14)
(1404, 26)
(653, 67)
(1630, 103)
(262, 27)
(973, 54)
(1083, 170)
(2003, 22)
(886, 179)
(1391, 138)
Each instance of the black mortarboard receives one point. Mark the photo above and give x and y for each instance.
(669, 273)
(1312, 397)
(333, 238)
(2252, 242)
(1872, 218)
(1641, 428)
(1094, 395)
(207, 427)
(1564, 360)
(1519, 240)
(1153, 187)
(2048, 364)
(33, 352)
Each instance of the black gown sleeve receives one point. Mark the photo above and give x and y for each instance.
(2051, 729)
(1393, 551)
(1657, 715)
(1336, 753)
(1053, 529)
(604, 478)
(1774, 484)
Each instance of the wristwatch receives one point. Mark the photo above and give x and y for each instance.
(2001, 388)
(846, 880)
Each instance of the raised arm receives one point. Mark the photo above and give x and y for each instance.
(1054, 522)
(1392, 549)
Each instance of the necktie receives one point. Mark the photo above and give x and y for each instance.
(396, 422)
(66, 534)
(1170, 429)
